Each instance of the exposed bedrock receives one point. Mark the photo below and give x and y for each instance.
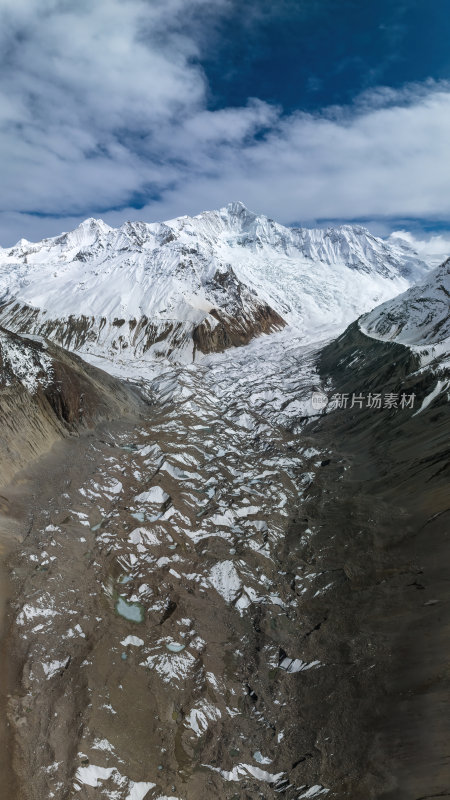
(219, 330)
(47, 394)
(235, 331)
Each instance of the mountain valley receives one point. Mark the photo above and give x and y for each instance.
(224, 505)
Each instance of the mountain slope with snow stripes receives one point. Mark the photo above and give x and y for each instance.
(197, 283)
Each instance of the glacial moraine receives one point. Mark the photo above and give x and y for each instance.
(274, 565)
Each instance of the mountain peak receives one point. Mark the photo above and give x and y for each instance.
(168, 277)
(85, 234)
(93, 223)
(237, 208)
(360, 230)
(239, 213)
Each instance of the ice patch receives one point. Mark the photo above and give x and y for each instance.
(200, 715)
(53, 667)
(143, 536)
(440, 387)
(297, 665)
(225, 579)
(91, 775)
(133, 640)
(137, 791)
(170, 667)
(245, 771)
(314, 791)
(155, 495)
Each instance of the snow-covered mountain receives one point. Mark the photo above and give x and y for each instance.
(419, 316)
(197, 283)
(420, 319)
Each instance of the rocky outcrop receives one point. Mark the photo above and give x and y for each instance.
(235, 331)
(219, 329)
(419, 316)
(47, 394)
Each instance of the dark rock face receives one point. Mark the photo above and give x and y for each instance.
(81, 395)
(381, 515)
(235, 331)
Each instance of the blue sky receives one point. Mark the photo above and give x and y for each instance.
(310, 55)
(310, 112)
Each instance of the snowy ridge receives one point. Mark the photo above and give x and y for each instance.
(420, 319)
(164, 288)
(419, 316)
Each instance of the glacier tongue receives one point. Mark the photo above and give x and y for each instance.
(174, 540)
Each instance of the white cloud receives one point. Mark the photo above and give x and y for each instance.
(434, 248)
(102, 103)
(385, 162)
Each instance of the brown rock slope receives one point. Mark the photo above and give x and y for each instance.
(378, 714)
(47, 394)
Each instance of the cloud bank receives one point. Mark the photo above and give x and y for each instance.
(104, 110)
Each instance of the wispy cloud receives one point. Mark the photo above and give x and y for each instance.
(435, 248)
(102, 104)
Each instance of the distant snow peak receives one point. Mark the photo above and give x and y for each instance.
(240, 211)
(197, 283)
(238, 207)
